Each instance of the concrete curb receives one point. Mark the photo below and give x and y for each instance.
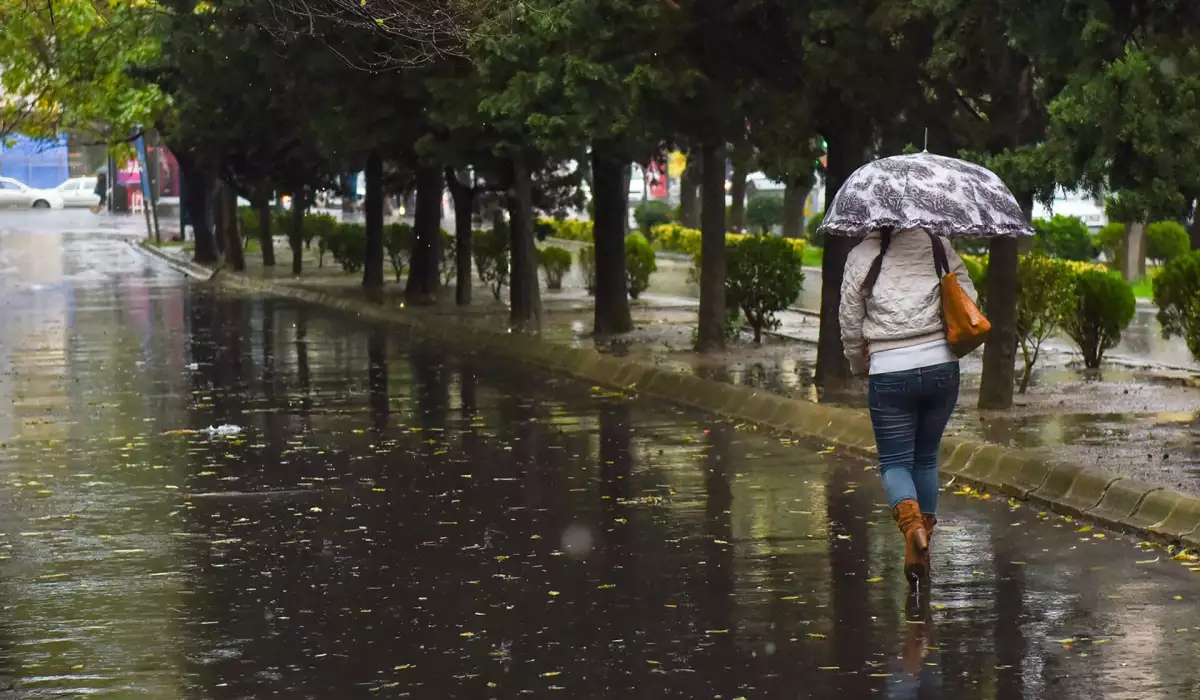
(196, 272)
(1069, 489)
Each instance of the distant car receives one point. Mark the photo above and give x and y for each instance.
(79, 192)
(15, 194)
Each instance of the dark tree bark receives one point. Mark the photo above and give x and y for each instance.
(737, 191)
(609, 195)
(227, 224)
(793, 211)
(423, 274)
(525, 308)
(464, 206)
(296, 237)
(195, 184)
(996, 386)
(1194, 230)
(263, 206)
(373, 214)
(377, 373)
(710, 334)
(848, 149)
(689, 206)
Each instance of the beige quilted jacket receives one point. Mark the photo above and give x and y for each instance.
(906, 307)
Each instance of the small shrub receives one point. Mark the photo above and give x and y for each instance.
(448, 264)
(544, 228)
(1043, 300)
(651, 213)
(347, 243)
(1111, 241)
(730, 239)
(555, 263)
(1166, 240)
(248, 220)
(1101, 306)
(1064, 237)
(490, 251)
(639, 263)
(764, 212)
(763, 277)
(397, 243)
(566, 229)
(977, 269)
(587, 265)
(319, 227)
(1177, 294)
(810, 228)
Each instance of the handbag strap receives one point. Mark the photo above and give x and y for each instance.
(941, 264)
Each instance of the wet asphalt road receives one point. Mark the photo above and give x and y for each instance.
(397, 519)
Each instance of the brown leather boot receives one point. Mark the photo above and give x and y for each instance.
(908, 518)
(929, 521)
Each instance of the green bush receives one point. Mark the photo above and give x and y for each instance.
(651, 213)
(977, 269)
(555, 263)
(764, 212)
(568, 229)
(248, 220)
(1166, 240)
(763, 277)
(1100, 307)
(1043, 300)
(1064, 237)
(544, 228)
(639, 263)
(347, 243)
(448, 264)
(1177, 294)
(810, 228)
(1111, 241)
(490, 250)
(397, 243)
(587, 265)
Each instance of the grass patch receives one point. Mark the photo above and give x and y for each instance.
(1145, 288)
(813, 256)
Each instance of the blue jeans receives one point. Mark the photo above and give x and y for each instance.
(909, 411)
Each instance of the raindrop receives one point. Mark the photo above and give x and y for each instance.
(577, 541)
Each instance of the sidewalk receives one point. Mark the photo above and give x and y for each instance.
(1134, 421)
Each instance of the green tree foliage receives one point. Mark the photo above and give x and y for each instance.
(587, 266)
(765, 278)
(651, 213)
(397, 243)
(555, 263)
(347, 243)
(1063, 237)
(1177, 295)
(814, 236)
(1166, 240)
(1101, 306)
(639, 263)
(764, 212)
(1043, 300)
(1111, 241)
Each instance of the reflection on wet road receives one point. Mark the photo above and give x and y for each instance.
(418, 521)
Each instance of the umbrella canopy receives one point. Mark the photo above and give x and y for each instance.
(947, 196)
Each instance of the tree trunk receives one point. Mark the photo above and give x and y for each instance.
(525, 308)
(710, 335)
(1133, 264)
(793, 211)
(296, 237)
(847, 151)
(264, 230)
(999, 354)
(464, 206)
(373, 215)
(195, 199)
(424, 278)
(609, 196)
(1194, 230)
(228, 225)
(737, 190)
(689, 209)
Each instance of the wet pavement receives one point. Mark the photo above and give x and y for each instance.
(398, 519)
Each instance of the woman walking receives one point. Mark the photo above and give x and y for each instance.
(892, 330)
(908, 312)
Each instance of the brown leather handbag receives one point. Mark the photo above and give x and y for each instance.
(966, 326)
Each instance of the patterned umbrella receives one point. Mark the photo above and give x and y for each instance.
(947, 196)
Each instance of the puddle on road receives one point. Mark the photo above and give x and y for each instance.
(419, 523)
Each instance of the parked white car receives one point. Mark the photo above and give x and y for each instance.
(18, 195)
(79, 192)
